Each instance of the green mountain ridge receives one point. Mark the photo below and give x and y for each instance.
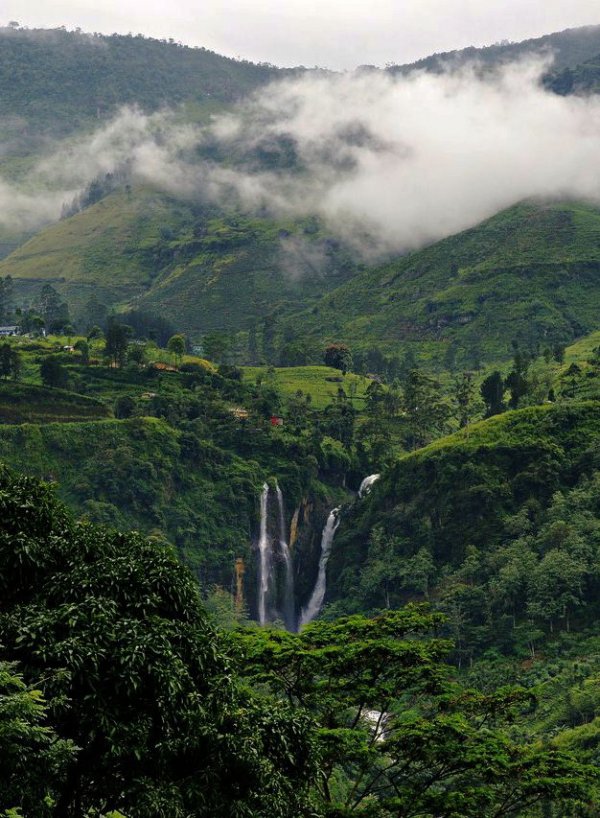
(530, 273)
(455, 518)
(199, 266)
(53, 82)
(569, 48)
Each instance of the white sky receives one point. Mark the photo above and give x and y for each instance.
(330, 33)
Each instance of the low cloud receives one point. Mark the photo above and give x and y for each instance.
(388, 163)
(410, 160)
(150, 149)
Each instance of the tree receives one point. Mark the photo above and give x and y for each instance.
(338, 356)
(54, 312)
(10, 362)
(556, 586)
(425, 411)
(464, 398)
(117, 341)
(83, 348)
(136, 354)
(492, 391)
(216, 345)
(382, 568)
(6, 298)
(34, 759)
(517, 381)
(95, 312)
(53, 373)
(124, 407)
(396, 735)
(269, 336)
(176, 346)
(95, 332)
(111, 629)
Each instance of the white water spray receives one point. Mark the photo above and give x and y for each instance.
(266, 563)
(365, 486)
(318, 595)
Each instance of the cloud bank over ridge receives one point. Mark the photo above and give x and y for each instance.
(389, 163)
(415, 159)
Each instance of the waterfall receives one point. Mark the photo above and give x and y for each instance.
(265, 568)
(366, 484)
(289, 606)
(318, 595)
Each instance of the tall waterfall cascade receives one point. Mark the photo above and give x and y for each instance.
(265, 566)
(276, 585)
(318, 595)
(276, 594)
(365, 486)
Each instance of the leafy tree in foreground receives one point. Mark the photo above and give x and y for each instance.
(111, 628)
(399, 739)
(34, 759)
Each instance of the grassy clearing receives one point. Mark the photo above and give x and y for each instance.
(583, 349)
(320, 382)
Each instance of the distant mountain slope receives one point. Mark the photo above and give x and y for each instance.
(107, 249)
(582, 79)
(199, 266)
(55, 81)
(570, 48)
(530, 273)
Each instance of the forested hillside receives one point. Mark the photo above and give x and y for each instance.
(497, 522)
(568, 48)
(53, 82)
(200, 266)
(293, 523)
(529, 274)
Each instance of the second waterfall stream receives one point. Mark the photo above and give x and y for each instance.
(318, 595)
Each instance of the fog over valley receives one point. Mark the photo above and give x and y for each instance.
(389, 162)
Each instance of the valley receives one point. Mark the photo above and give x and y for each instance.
(295, 519)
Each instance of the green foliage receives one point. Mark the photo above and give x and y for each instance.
(338, 356)
(26, 403)
(492, 391)
(98, 74)
(528, 273)
(83, 347)
(498, 522)
(117, 342)
(53, 373)
(396, 735)
(10, 362)
(134, 677)
(425, 411)
(176, 345)
(34, 759)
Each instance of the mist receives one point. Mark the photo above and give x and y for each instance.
(392, 164)
(148, 149)
(389, 164)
